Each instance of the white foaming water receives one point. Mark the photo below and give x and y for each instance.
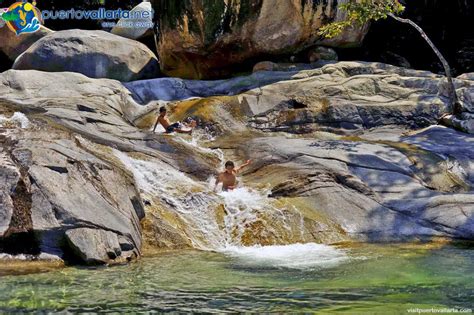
(198, 137)
(296, 256)
(17, 119)
(243, 207)
(195, 207)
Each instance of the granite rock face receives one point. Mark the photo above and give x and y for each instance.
(375, 190)
(57, 179)
(324, 96)
(65, 185)
(357, 143)
(211, 39)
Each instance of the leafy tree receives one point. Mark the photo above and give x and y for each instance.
(364, 11)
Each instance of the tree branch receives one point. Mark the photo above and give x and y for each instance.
(453, 99)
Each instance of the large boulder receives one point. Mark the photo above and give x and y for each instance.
(13, 45)
(218, 38)
(96, 54)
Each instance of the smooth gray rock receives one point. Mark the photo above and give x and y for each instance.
(343, 95)
(175, 89)
(448, 143)
(374, 191)
(69, 151)
(9, 177)
(91, 166)
(75, 182)
(96, 54)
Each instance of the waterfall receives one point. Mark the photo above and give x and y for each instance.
(244, 222)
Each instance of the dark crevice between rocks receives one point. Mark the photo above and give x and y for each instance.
(5, 62)
(58, 169)
(294, 104)
(83, 108)
(93, 121)
(19, 238)
(138, 207)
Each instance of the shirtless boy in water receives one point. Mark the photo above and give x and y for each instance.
(228, 178)
(176, 127)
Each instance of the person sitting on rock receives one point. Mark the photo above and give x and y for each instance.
(228, 177)
(180, 127)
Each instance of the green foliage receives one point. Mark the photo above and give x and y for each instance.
(360, 13)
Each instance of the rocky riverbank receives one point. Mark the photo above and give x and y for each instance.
(343, 151)
(346, 152)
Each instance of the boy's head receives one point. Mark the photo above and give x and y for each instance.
(229, 166)
(162, 110)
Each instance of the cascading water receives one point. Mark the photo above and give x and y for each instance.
(160, 183)
(226, 221)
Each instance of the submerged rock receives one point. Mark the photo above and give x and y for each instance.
(218, 38)
(96, 54)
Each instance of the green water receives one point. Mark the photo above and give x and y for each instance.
(368, 279)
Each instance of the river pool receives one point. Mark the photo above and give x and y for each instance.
(294, 278)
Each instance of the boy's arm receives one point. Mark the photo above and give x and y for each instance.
(156, 124)
(238, 169)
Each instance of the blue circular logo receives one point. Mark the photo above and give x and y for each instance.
(22, 17)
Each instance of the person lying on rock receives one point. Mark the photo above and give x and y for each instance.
(228, 177)
(180, 127)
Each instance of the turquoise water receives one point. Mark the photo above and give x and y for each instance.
(300, 278)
